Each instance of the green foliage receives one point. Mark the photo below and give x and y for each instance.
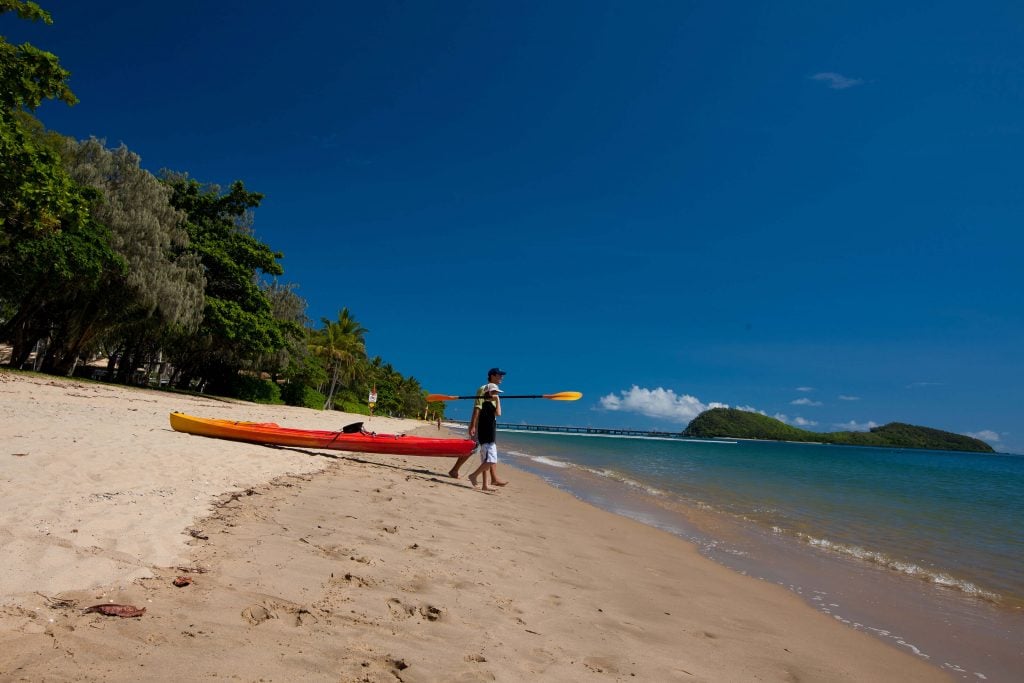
(238, 326)
(147, 231)
(153, 285)
(299, 394)
(289, 309)
(29, 75)
(342, 346)
(900, 435)
(257, 390)
(54, 257)
(741, 424)
(396, 394)
(347, 405)
(36, 194)
(46, 233)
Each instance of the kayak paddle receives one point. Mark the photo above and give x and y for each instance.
(560, 396)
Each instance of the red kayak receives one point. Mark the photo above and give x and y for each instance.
(342, 440)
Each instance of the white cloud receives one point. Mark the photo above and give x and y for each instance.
(805, 388)
(837, 81)
(798, 421)
(853, 426)
(985, 435)
(804, 402)
(844, 397)
(661, 403)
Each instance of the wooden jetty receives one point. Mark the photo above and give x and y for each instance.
(596, 431)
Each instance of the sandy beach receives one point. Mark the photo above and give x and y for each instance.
(328, 566)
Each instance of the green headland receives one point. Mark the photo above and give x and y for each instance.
(741, 424)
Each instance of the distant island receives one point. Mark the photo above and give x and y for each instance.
(741, 424)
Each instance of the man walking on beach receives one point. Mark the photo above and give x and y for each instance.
(494, 376)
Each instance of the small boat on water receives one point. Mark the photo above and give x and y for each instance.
(351, 438)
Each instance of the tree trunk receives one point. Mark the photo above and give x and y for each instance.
(23, 335)
(112, 364)
(328, 404)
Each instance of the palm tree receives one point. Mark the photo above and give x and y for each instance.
(342, 343)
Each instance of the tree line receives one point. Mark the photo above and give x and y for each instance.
(161, 275)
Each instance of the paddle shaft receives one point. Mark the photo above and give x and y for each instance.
(559, 396)
(449, 398)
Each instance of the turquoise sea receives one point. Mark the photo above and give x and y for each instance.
(924, 549)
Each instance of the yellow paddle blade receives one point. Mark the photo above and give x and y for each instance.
(565, 396)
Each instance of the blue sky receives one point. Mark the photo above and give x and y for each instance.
(812, 210)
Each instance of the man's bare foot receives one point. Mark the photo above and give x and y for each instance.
(500, 483)
(453, 473)
(472, 480)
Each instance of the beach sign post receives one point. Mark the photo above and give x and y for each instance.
(372, 400)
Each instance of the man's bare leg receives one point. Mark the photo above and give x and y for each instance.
(494, 476)
(454, 471)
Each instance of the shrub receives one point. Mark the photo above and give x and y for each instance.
(257, 390)
(302, 395)
(351, 406)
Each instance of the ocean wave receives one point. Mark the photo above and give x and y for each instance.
(623, 479)
(603, 473)
(907, 568)
(542, 459)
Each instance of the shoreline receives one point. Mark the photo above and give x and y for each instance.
(958, 633)
(354, 567)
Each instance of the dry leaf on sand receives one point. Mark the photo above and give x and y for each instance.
(116, 610)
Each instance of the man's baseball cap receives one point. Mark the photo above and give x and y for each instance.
(496, 371)
(492, 387)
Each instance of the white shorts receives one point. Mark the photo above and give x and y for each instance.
(488, 453)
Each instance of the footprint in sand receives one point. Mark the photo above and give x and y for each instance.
(303, 617)
(334, 552)
(507, 605)
(610, 665)
(257, 614)
(431, 613)
(401, 610)
(297, 615)
(354, 580)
